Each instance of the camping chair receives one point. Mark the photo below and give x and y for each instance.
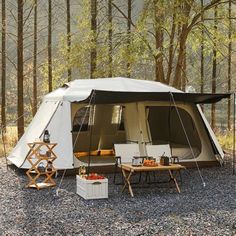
(124, 154)
(156, 151)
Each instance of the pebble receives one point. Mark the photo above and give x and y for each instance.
(155, 209)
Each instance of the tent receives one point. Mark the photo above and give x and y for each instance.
(91, 115)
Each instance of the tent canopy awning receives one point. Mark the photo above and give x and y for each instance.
(109, 97)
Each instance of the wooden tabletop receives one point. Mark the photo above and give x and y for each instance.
(129, 167)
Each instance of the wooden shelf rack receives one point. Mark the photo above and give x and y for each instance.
(41, 179)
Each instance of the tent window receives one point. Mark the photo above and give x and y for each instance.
(84, 118)
(118, 117)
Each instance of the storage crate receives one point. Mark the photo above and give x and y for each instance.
(92, 189)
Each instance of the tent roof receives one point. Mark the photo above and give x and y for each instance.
(121, 90)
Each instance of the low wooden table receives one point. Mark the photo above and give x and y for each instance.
(128, 170)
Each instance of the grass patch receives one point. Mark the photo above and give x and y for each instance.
(9, 140)
(225, 139)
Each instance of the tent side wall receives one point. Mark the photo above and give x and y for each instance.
(54, 116)
(33, 132)
(60, 133)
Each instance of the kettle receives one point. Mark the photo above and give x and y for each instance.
(165, 161)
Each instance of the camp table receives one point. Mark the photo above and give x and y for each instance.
(128, 170)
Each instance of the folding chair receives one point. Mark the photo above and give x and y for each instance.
(124, 154)
(156, 151)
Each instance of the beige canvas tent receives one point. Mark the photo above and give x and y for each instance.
(93, 115)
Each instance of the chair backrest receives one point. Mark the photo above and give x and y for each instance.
(157, 151)
(127, 151)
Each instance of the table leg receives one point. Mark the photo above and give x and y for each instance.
(175, 181)
(127, 182)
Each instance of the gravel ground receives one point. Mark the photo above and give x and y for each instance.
(155, 210)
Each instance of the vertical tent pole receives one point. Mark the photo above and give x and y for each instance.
(169, 125)
(91, 131)
(234, 158)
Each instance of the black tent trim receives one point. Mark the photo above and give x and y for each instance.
(109, 97)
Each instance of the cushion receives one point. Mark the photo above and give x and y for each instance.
(107, 152)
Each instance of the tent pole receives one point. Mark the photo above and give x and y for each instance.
(91, 133)
(234, 158)
(169, 126)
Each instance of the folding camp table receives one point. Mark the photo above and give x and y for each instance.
(128, 170)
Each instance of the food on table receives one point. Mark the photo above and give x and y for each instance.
(150, 163)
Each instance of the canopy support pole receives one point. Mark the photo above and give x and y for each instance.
(91, 131)
(234, 157)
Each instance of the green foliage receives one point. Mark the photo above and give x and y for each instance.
(225, 139)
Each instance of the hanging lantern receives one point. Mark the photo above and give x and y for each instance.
(46, 136)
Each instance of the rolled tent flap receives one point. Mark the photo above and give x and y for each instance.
(211, 133)
(34, 131)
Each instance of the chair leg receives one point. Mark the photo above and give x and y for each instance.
(114, 177)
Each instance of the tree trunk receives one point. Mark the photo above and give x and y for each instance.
(202, 54)
(184, 76)
(3, 105)
(229, 62)
(214, 68)
(49, 45)
(159, 43)
(20, 70)
(184, 31)
(129, 20)
(35, 102)
(110, 37)
(171, 50)
(93, 53)
(68, 38)
(159, 61)
(180, 60)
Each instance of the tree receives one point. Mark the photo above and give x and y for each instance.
(3, 105)
(20, 70)
(35, 33)
(202, 53)
(49, 45)
(214, 68)
(68, 27)
(93, 53)
(229, 61)
(129, 20)
(110, 37)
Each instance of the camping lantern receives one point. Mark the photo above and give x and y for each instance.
(46, 136)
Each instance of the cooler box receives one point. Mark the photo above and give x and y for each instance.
(92, 189)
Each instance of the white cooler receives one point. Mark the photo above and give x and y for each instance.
(92, 189)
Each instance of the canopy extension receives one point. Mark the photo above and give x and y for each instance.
(104, 97)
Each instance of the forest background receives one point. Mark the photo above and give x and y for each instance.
(188, 44)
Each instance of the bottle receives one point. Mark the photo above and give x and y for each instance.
(49, 166)
(46, 136)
